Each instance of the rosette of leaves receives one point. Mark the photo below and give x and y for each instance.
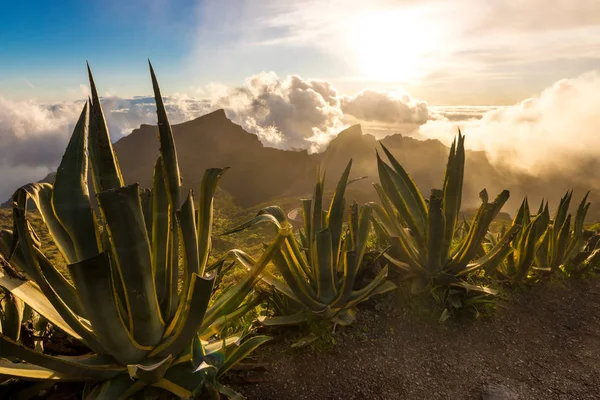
(425, 238)
(319, 269)
(144, 315)
(545, 246)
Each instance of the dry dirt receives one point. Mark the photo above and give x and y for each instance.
(542, 344)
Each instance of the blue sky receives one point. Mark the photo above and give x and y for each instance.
(46, 45)
(495, 53)
(297, 72)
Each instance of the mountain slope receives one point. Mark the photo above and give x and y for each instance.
(260, 174)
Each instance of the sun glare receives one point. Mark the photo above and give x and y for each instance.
(394, 45)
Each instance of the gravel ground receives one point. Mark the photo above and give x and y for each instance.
(542, 344)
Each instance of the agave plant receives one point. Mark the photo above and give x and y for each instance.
(422, 235)
(526, 244)
(319, 270)
(563, 245)
(144, 325)
(546, 246)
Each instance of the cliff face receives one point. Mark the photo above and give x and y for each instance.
(256, 174)
(261, 174)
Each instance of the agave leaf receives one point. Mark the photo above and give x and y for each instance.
(542, 254)
(81, 367)
(436, 228)
(490, 261)
(205, 214)
(129, 238)
(326, 290)
(306, 205)
(31, 372)
(479, 228)
(318, 223)
(174, 388)
(186, 381)
(41, 195)
(415, 201)
(150, 371)
(216, 326)
(70, 197)
(475, 288)
(562, 210)
(121, 387)
(397, 191)
(296, 256)
(294, 319)
(452, 193)
(93, 281)
(533, 239)
(361, 232)
(188, 318)
(397, 263)
(32, 295)
(189, 236)
(292, 275)
(55, 279)
(146, 198)
(352, 260)
(363, 294)
(248, 262)
(173, 183)
(386, 286)
(72, 320)
(562, 241)
(242, 352)
(106, 173)
(335, 215)
(386, 213)
(161, 236)
(233, 297)
(258, 219)
(167, 145)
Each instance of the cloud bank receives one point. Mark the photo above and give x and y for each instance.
(554, 132)
(286, 113)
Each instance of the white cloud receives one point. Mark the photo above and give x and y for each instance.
(285, 113)
(555, 132)
(386, 107)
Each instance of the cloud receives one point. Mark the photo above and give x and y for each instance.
(553, 133)
(285, 113)
(34, 135)
(385, 107)
(33, 139)
(289, 113)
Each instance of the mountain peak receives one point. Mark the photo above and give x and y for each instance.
(352, 131)
(216, 114)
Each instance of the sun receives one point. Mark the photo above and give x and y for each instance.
(394, 45)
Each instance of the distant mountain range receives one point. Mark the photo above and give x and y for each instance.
(260, 174)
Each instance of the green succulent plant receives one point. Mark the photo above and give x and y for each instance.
(546, 246)
(423, 237)
(145, 316)
(319, 269)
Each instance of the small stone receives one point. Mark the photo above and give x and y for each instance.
(498, 392)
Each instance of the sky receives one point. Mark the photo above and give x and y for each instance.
(511, 73)
(459, 52)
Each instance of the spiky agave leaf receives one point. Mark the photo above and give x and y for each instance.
(319, 272)
(423, 237)
(124, 304)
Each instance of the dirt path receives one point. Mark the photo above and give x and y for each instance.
(545, 344)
